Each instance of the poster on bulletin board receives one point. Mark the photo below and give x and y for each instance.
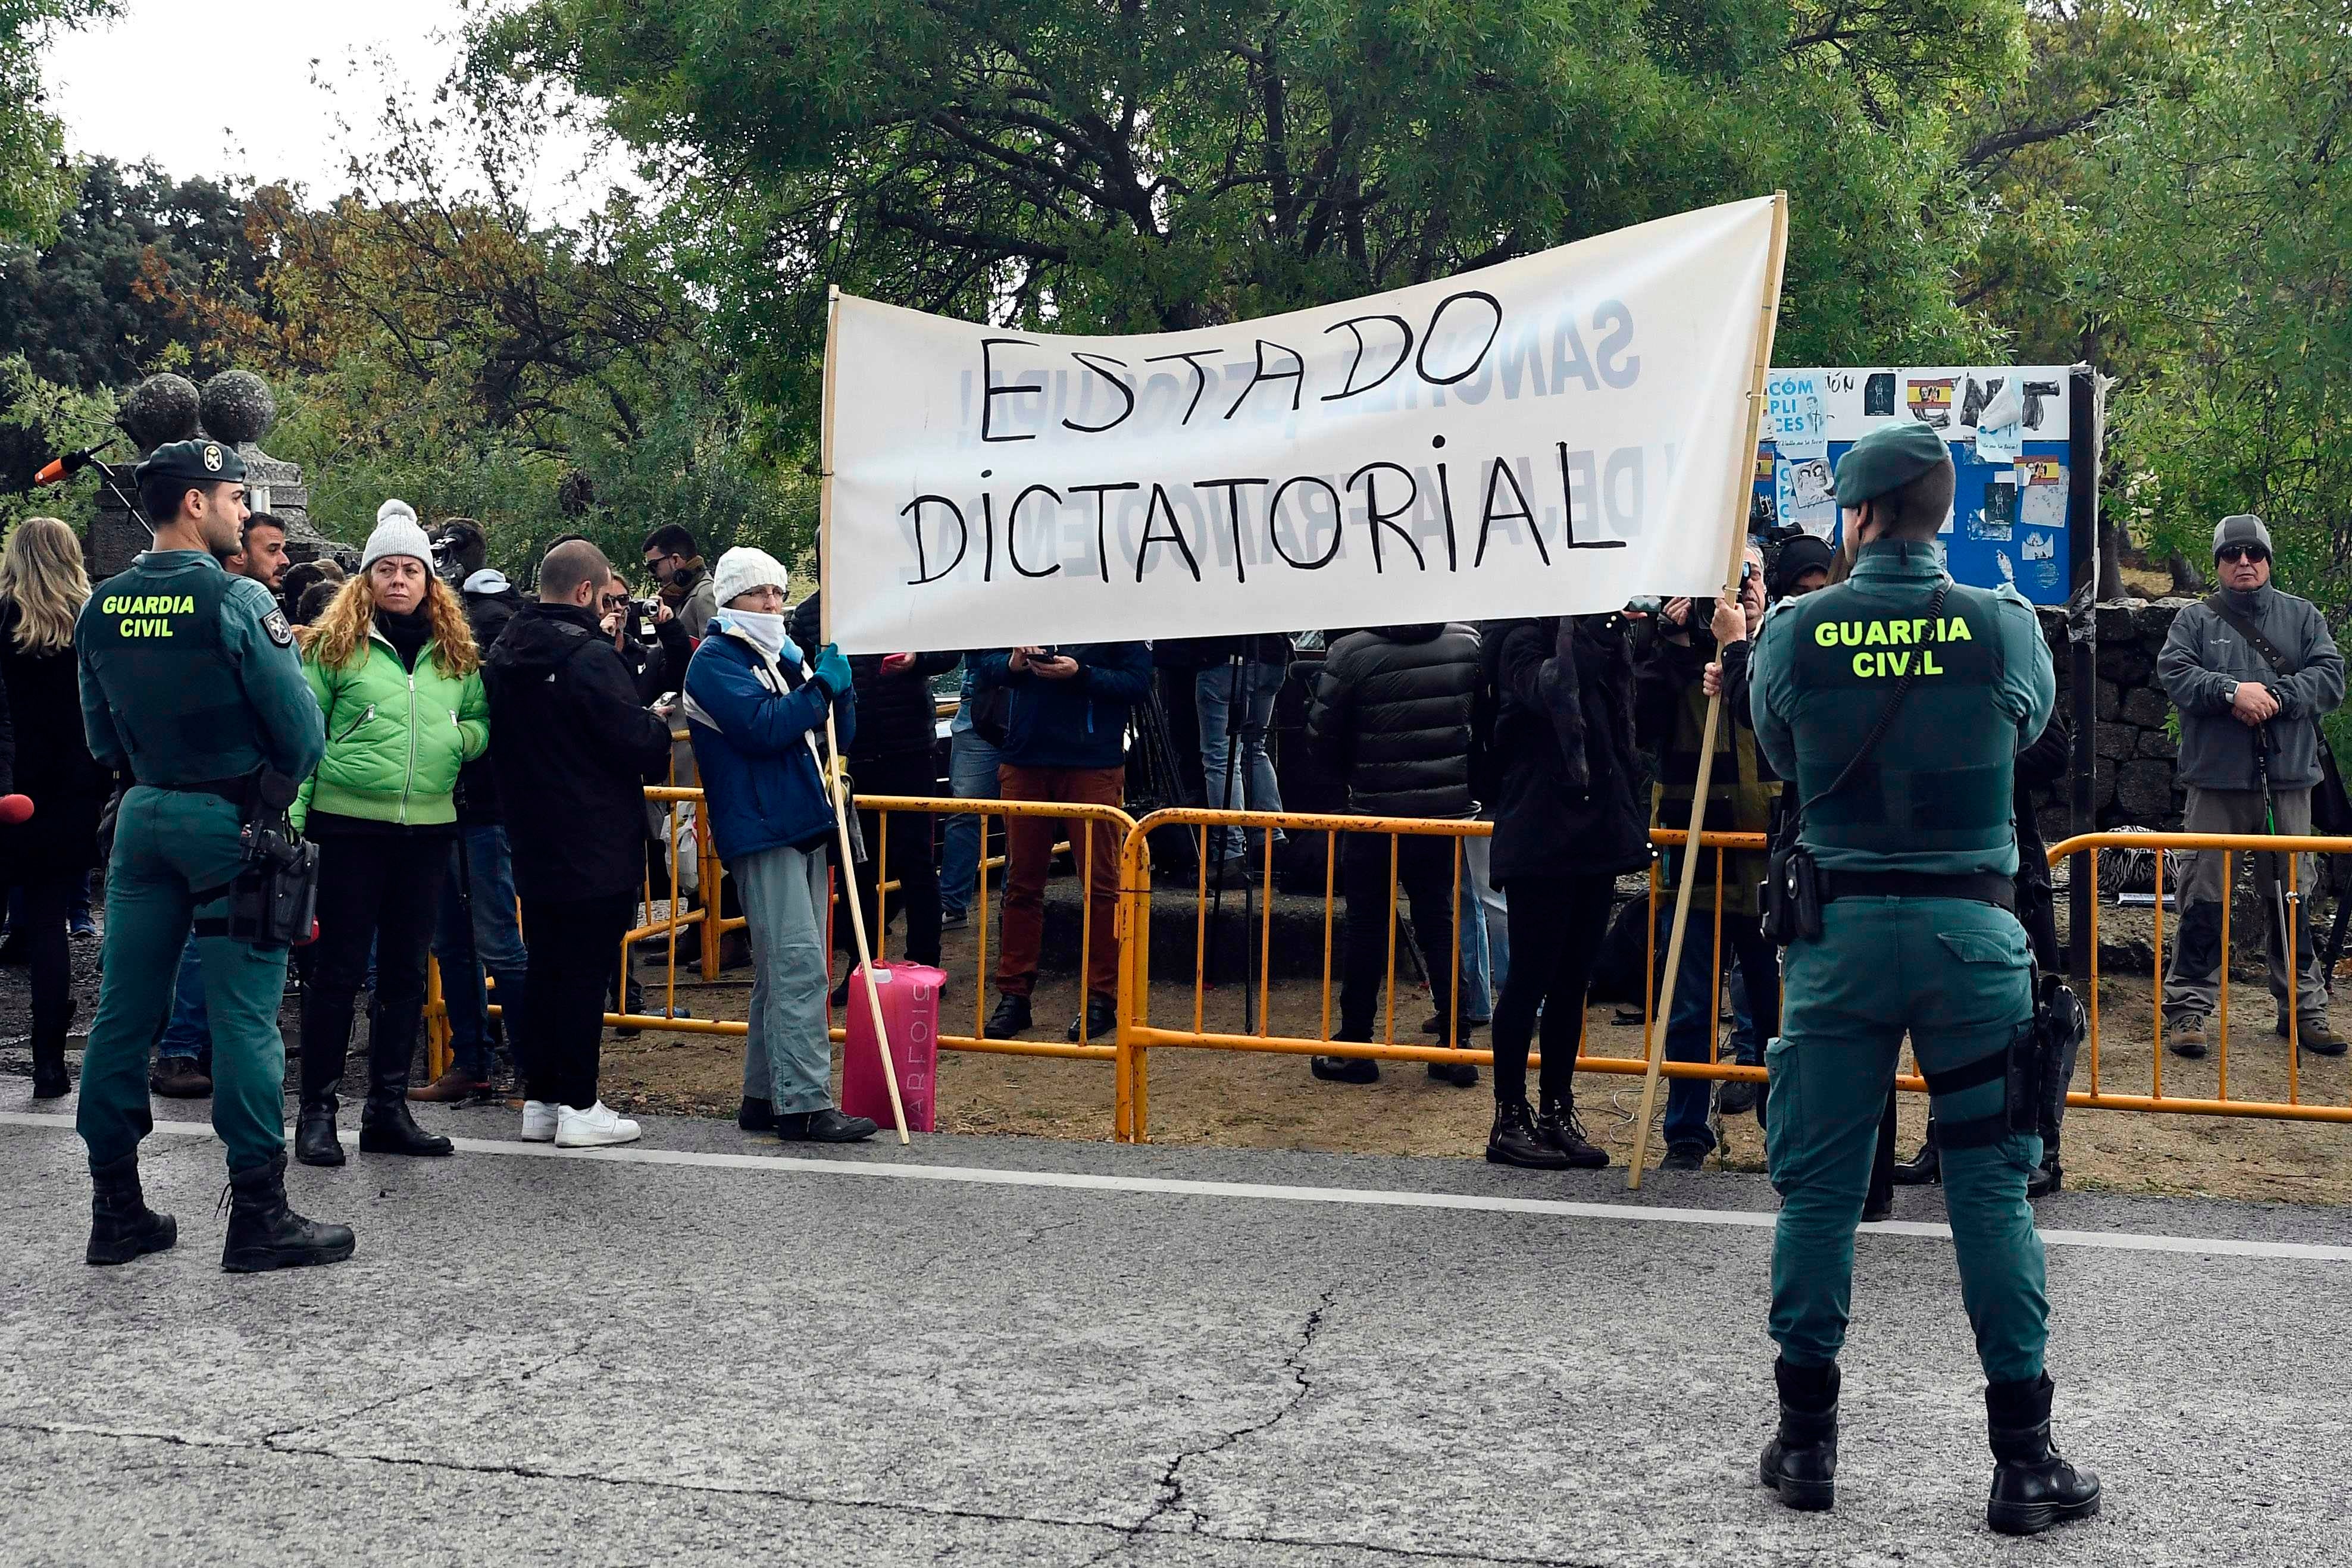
(2009, 428)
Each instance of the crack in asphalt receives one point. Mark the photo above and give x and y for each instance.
(1126, 1534)
(273, 1439)
(1172, 1481)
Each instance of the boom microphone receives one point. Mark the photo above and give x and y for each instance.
(61, 469)
(15, 809)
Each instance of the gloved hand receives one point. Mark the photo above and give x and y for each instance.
(832, 672)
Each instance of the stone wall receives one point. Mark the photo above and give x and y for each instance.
(2132, 786)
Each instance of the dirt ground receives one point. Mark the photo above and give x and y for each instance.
(1254, 1099)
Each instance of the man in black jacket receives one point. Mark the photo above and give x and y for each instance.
(891, 754)
(1390, 713)
(572, 749)
(476, 930)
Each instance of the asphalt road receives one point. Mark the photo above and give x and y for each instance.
(1013, 1352)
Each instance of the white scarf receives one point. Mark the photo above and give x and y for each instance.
(766, 633)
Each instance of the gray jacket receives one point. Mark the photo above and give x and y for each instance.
(2204, 660)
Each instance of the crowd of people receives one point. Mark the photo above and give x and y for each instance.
(475, 794)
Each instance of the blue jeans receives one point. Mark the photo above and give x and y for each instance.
(787, 1050)
(1213, 692)
(493, 941)
(1495, 910)
(1756, 996)
(971, 774)
(1471, 922)
(189, 1034)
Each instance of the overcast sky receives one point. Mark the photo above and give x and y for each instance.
(249, 106)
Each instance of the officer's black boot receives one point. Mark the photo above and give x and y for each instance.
(2033, 1487)
(49, 1079)
(264, 1234)
(1801, 1461)
(315, 1142)
(122, 1225)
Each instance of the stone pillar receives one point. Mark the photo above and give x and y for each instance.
(235, 407)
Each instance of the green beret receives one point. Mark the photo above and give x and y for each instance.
(1887, 459)
(198, 462)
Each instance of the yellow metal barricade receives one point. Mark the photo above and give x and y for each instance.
(711, 925)
(2097, 1065)
(1139, 1034)
(2199, 1087)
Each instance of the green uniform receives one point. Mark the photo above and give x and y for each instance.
(189, 681)
(1934, 798)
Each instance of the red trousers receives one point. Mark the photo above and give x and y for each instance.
(1029, 851)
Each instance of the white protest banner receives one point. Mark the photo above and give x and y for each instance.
(1551, 436)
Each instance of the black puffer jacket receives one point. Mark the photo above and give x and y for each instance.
(1392, 715)
(490, 603)
(1570, 802)
(573, 749)
(896, 714)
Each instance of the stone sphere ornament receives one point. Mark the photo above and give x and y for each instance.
(162, 408)
(238, 408)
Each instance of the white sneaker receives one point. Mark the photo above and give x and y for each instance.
(539, 1121)
(593, 1128)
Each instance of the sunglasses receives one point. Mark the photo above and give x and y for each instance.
(2242, 552)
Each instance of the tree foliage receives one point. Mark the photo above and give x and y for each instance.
(107, 300)
(443, 345)
(36, 180)
(1128, 167)
(2221, 249)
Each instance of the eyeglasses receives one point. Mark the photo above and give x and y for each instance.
(2242, 552)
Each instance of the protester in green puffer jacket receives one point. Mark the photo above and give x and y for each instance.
(398, 677)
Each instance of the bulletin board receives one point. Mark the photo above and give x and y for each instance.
(2010, 430)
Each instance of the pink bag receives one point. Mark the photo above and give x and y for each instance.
(910, 1011)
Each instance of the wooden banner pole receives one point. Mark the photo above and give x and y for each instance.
(1744, 481)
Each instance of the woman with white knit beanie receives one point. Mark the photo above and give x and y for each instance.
(396, 671)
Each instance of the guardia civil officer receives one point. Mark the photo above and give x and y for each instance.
(189, 682)
(1916, 850)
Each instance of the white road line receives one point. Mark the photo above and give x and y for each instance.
(1268, 1192)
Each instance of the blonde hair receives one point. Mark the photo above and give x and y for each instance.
(340, 635)
(41, 572)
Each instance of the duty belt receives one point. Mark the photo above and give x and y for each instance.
(237, 791)
(1977, 887)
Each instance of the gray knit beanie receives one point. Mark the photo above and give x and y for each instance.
(397, 532)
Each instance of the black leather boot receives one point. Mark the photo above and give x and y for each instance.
(122, 1225)
(826, 1126)
(49, 1079)
(2033, 1487)
(315, 1142)
(1557, 1124)
(1011, 1017)
(2049, 1175)
(264, 1234)
(1926, 1169)
(1801, 1461)
(388, 1127)
(1515, 1141)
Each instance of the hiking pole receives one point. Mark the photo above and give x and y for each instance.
(2284, 905)
(857, 916)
